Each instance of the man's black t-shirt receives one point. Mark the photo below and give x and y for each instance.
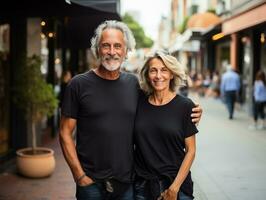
(160, 133)
(105, 112)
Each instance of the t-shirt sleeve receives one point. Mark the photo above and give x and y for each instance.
(70, 102)
(189, 127)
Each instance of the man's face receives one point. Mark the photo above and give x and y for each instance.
(112, 49)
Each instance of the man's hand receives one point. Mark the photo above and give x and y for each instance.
(85, 181)
(196, 114)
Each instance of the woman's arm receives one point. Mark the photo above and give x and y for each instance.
(190, 147)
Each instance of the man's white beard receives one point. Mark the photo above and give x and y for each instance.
(112, 65)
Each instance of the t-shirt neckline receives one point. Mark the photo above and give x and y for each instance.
(101, 78)
(163, 105)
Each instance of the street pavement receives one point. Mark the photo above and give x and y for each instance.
(59, 186)
(230, 163)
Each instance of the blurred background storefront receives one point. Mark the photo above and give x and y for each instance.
(57, 31)
(204, 35)
(208, 35)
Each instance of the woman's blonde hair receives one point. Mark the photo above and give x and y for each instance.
(179, 76)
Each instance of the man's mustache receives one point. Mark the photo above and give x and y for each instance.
(108, 58)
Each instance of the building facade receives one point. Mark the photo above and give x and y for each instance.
(57, 31)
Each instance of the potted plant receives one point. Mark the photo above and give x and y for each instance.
(37, 99)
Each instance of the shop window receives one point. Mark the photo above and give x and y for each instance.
(263, 51)
(4, 90)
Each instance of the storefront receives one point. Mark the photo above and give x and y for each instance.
(247, 47)
(4, 90)
(20, 28)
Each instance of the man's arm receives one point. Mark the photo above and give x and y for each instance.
(67, 126)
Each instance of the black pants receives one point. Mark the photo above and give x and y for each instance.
(259, 110)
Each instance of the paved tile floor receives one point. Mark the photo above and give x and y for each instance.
(59, 186)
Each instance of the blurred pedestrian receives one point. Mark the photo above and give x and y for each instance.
(230, 86)
(198, 84)
(259, 95)
(164, 134)
(184, 89)
(214, 88)
(102, 103)
(206, 82)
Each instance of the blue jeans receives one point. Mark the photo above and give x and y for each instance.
(183, 196)
(151, 190)
(230, 99)
(97, 191)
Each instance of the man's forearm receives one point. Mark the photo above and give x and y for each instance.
(70, 154)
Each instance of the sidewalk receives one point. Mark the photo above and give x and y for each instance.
(230, 163)
(59, 186)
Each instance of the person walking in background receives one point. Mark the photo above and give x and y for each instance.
(198, 84)
(230, 86)
(206, 82)
(184, 90)
(259, 94)
(102, 104)
(214, 89)
(165, 142)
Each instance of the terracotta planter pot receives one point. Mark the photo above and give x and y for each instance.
(37, 165)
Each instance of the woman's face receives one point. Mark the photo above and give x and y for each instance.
(159, 75)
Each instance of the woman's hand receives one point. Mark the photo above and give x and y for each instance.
(169, 194)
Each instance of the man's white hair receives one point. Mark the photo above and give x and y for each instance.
(112, 24)
(229, 67)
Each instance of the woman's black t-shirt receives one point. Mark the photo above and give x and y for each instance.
(160, 133)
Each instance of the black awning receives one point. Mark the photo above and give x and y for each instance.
(207, 34)
(55, 8)
(81, 18)
(80, 30)
(102, 5)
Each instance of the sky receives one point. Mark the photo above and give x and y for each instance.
(150, 13)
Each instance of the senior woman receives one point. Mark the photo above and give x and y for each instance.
(164, 134)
